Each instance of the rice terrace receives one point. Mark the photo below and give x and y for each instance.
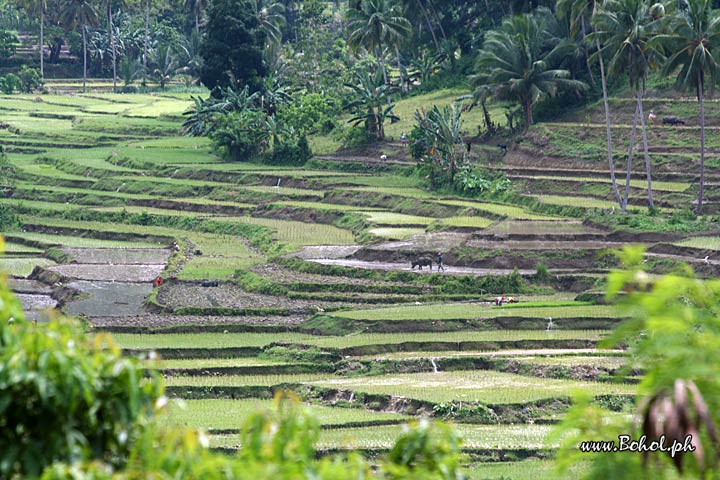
(386, 237)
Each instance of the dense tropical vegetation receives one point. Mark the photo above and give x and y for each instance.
(522, 53)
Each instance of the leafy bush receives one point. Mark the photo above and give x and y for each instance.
(240, 136)
(355, 137)
(63, 396)
(315, 113)
(290, 152)
(30, 78)
(673, 334)
(10, 83)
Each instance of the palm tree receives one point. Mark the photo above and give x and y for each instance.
(628, 27)
(80, 13)
(579, 11)
(694, 45)
(129, 70)
(371, 103)
(111, 35)
(196, 7)
(518, 60)
(375, 24)
(146, 42)
(166, 64)
(39, 7)
(271, 19)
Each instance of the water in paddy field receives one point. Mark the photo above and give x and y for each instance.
(117, 273)
(36, 302)
(117, 256)
(109, 299)
(449, 269)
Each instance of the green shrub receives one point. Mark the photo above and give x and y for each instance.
(314, 113)
(30, 78)
(10, 83)
(64, 396)
(355, 137)
(290, 152)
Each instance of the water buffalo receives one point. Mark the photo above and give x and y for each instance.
(421, 262)
(673, 120)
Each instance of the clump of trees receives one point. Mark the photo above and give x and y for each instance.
(438, 143)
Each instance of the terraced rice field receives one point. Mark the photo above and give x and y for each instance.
(307, 284)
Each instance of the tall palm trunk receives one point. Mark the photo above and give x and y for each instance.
(701, 190)
(587, 54)
(381, 57)
(427, 20)
(42, 42)
(147, 40)
(111, 32)
(527, 106)
(84, 57)
(648, 174)
(608, 130)
(402, 80)
(437, 19)
(624, 203)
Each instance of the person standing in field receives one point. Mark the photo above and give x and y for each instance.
(403, 139)
(440, 259)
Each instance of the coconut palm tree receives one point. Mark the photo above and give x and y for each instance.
(80, 13)
(197, 8)
(111, 34)
(694, 45)
(39, 7)
(271, 18)
(581, 13)
(375, 24)
(146, 42)
(166, 64)
(628, 27)
(519, 61)
(482, 93)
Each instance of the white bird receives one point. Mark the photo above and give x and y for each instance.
(706, 260)
(383, 157)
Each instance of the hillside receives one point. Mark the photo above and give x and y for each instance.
(301, 278)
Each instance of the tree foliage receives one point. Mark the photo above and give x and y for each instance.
(232, 47)
(674, 335)
(520, 61)
(65, 397)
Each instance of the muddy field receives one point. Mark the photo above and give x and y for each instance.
(116, 299)
(113, 273)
